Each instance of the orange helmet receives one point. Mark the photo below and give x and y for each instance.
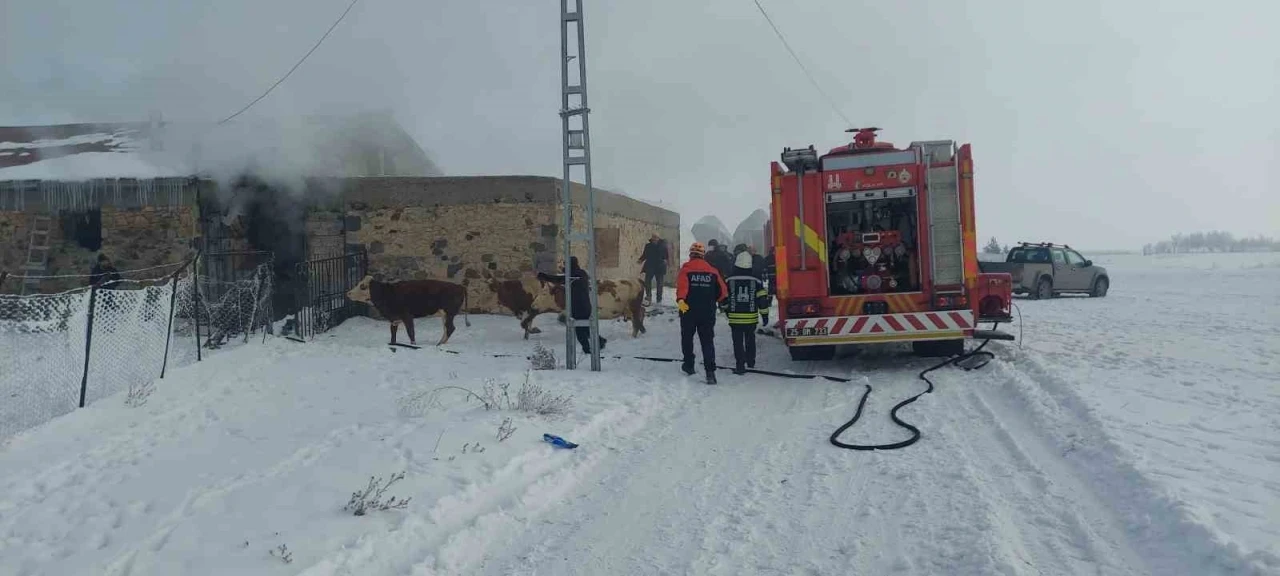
(697, 250)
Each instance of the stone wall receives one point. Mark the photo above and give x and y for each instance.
(15, 233)
(462, 243)
(324, 234)
(147, 237)
(632, 235)
(470, 229)
(133, 238)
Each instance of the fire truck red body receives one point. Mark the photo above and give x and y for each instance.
(877, 244)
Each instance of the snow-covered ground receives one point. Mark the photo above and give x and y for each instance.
(1181, 361)
(1129, 435)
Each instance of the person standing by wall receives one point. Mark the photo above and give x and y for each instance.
(654, 259)
(699, 289)
(747, 302)
(103, 274)
(581, 301)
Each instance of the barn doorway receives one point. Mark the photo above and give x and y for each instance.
(252, 217)
(275, 221)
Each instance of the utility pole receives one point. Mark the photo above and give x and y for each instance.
(577, 152)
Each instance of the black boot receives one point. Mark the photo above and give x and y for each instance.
(739, 370)
(687, 368)
(711, 376)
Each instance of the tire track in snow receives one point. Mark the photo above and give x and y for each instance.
(459, 528)
(1160, 529)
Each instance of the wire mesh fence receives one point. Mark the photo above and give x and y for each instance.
(233, 300)
(42, 350)
(66, 350)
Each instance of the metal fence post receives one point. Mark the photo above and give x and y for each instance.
(195, 300)
(173, 299)
(88, 344)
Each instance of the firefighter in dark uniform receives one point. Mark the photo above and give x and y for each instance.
(699, 289)
(748, 301)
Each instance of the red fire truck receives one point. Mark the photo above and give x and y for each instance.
(877, 244)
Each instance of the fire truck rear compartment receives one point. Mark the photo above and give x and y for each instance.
(874, 247)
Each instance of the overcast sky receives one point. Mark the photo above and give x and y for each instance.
(1100, 123)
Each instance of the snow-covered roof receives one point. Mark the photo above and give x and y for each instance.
(359, 145)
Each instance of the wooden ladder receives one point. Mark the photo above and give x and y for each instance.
(37, 263)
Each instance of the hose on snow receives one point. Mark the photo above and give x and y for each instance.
(893, 413)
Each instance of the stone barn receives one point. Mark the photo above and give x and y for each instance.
(70, 191)
(468, 229)
(365, 185)
(53, 228)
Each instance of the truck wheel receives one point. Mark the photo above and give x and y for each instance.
(938, 348)
(1044, 289)
(1100, 287)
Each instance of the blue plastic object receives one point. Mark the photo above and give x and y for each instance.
(558, 441)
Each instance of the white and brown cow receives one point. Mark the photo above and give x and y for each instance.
(529, 297)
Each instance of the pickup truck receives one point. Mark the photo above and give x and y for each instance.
(1045, 270)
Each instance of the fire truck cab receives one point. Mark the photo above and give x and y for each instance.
(877, 244)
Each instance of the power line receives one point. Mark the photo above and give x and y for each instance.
(295, 66)
(830, 100)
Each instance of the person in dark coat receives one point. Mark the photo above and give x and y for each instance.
(581, 301)
(719, 258)
(748, 301)
(699, 290)
(103, 274)
(654, 259)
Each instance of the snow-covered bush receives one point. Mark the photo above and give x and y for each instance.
(495, 395)
(370, 499)
(282, 552)
(538, 400)
(530, 398)
(138, 393)
(505, 430)
(543, 358)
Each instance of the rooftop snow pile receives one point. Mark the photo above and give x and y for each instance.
(751, 231)
(708, 228)
(359, 145)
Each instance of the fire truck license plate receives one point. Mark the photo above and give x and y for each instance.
(806, 332)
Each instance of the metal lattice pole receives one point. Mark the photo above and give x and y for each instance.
(577, 152)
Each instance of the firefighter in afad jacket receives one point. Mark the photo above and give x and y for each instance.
(748, 301)
(699, 289)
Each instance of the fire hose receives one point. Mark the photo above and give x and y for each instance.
(893, 413)
(958, 361)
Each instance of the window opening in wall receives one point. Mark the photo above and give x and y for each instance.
(83, 227)
(607, 247)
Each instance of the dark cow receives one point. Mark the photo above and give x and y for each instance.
(408, 299)
(528, 297)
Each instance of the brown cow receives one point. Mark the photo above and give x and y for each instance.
(408, 299)
(529, 297)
